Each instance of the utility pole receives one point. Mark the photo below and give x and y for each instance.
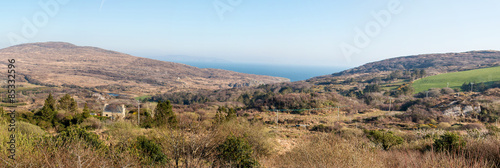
(138, 112)
(390, 103)
(338, 113)
(277, 117)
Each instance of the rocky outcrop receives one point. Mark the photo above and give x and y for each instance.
(462, 111)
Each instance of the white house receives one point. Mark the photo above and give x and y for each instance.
(114, 111)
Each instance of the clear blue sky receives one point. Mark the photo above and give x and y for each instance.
(261, 31)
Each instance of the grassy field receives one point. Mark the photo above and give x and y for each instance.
(140, 98)
(456, 79)
(24, 86)
(393, 85)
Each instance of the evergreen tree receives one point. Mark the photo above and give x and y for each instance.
(50, 102)
(147, 121)
(465, 87)
(67, 103)
(224, 114)
(219, 115)
(480, 87)
(73, 107)
(371, 88)
(164, 115)
(231, 114)
(416, 73)
(407, 74)
(422, 73)
(86, 111)
(48, 112)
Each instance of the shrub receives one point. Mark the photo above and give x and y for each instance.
(350, 133)
(256, 134)
(322, 128)
(443, 125)
(151, 150)
(237, 152)
(493, 130)
(122, 131)
(429, 133)
(91, 123)
(476, 134)
(385, 138)
(30, 129)
(448, 142)
(447, 91)
(224, 114)
(485, 149)
(424, 126)
(73, 134)
(371, 88)
(456, 126)
(328, 150)
(434, 92)
(419, 113)
(473, 126)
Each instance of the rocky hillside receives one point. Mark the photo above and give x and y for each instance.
(58, 63)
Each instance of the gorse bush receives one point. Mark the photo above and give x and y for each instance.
(237, 152)
(151, 150)
(73, 134)
(448, 142)
(385, 138)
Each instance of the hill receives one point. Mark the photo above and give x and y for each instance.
(456, 79)
(433, 63)
(59, 63)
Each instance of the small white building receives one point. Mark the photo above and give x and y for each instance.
(114, 111)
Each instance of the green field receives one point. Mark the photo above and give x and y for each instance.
(140, 98)
(456, 79)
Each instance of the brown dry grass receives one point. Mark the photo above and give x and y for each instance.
(273, 147)
(329, 150)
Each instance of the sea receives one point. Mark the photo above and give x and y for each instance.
(292, 72)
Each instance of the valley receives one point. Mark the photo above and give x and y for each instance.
(178, 115)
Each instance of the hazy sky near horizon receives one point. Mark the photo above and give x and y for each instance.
(321, 32)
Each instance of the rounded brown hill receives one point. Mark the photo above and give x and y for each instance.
(58, 63)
